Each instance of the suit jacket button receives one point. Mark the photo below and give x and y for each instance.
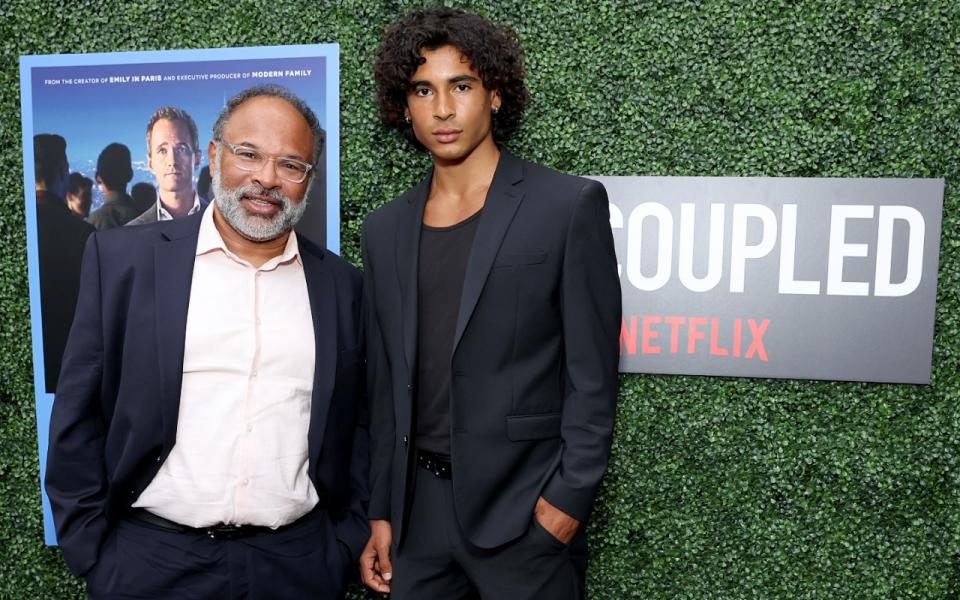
(405, 440)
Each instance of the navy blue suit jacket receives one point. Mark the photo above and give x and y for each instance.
(115, 415)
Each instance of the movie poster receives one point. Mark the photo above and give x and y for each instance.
(94, 109)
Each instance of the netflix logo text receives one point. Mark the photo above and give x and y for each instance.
(741, 338)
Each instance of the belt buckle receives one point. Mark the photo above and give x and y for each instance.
(223, 532)
(439, 468)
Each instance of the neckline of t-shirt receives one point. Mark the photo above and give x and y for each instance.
(466, 221)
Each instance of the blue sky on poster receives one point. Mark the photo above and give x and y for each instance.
(94, 105)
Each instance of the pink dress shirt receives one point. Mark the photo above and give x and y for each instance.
(241, 450)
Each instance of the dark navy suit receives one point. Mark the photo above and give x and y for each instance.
(115, 414)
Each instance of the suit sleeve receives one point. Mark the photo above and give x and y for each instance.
(352, 527)
(76, 480)
(379, 390)
(590, 308)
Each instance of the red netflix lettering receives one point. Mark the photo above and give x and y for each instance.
(725, 340)
(715, 349)
(674, 323)
(628, 338)
(648, 334)
(757, 343)
(736, 337)
(694, 334)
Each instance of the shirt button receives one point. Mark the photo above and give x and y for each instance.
(245, 482)
(249, 428)
(253, 375)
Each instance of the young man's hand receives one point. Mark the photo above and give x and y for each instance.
(375, 568)
(560, 525)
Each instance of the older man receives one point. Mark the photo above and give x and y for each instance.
(207, 439)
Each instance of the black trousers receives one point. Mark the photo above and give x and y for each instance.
(436, 561)
(142, 561)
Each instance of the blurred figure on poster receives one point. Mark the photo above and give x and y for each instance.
(60, 240)
(79, 195)
(114, 172)
(173, 154)
(203, 184)
(144, 196)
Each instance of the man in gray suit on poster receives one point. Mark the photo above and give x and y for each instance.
(173, 154)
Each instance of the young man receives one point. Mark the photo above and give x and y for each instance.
(173, 154)
(494, 308)
(206, 439)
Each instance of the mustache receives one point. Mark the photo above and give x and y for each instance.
(253, 189)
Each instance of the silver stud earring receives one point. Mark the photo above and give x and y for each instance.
(408, 120)
(496, 109)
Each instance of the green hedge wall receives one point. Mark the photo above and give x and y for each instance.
(718, 488)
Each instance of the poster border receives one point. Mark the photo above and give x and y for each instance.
(330, 52)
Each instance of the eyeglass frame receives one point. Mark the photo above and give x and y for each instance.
(233, 150)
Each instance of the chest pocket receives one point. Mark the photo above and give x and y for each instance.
(519, 260)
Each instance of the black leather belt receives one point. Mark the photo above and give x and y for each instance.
(220, 531)
(437, 464)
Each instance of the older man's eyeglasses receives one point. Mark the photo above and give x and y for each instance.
(250, 159)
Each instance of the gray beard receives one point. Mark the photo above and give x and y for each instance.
(256, 228)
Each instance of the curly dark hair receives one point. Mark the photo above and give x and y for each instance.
(494, 52)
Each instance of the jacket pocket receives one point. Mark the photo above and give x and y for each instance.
(517, 260)
(533, 427)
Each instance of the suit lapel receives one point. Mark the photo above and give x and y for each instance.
(173, 264)
(408, 257)
(503, 199)
(322, 292)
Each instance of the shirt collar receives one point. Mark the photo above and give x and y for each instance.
(210, 240)
(164, 215)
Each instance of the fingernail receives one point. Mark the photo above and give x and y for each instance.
(387, 576)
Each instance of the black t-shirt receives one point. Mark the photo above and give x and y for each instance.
(444, 252)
